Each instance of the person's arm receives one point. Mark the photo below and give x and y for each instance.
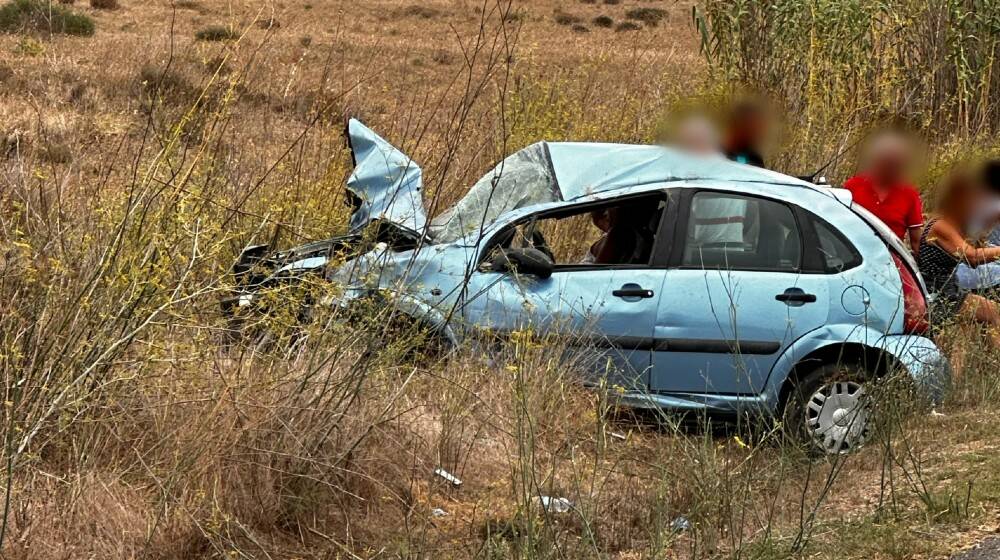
(914, 233)
(945, 236)
(915, 220)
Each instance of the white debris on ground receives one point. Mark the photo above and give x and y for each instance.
(452, 479)
(555, 505)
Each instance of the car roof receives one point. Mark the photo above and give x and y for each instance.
(586, 168)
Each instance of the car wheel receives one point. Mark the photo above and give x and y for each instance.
(829, 409)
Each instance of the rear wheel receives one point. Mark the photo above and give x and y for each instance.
(829, 409)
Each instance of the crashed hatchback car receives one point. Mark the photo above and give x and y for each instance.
(701, 284)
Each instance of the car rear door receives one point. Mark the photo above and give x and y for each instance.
(735, 295)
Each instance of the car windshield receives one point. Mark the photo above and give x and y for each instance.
(522, 179)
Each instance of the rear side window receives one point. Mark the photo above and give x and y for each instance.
(741, 233)
(836, 251)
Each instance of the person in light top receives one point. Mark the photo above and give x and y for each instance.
(983, 226)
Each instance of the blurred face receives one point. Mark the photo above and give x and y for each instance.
(749, 128)
(982, 211)
(697, 135)
(889, 159)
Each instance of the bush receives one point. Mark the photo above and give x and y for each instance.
(416, 10)
(649, 16)
(562, 18)
(19, 16)
(603, 21)
(104, 4)
(216, 33)
(628, 26)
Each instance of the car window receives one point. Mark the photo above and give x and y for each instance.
(740, 232)
(613, 234)
(837, 252)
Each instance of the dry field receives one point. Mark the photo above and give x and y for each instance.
(138, 161)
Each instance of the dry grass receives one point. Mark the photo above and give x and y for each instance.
(136, 168)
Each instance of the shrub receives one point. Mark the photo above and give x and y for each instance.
(37, 15)
(562, 18)
(603, 21)
(268, 23)
(628, 26)
(104, 4)
(649, 16)
(612, 2)
(216, 33)
(416, 10)
(580, 28)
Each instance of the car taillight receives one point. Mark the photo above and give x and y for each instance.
(914, 303)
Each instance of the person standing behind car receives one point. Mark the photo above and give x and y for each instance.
(720, 221)
(884, 189)
(746, 133)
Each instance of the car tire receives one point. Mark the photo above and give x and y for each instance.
(829, 409)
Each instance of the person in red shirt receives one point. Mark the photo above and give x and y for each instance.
(883, 187)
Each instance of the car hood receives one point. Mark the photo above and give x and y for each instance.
(385, 185)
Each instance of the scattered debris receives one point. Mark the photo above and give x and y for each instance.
(618, 435)
(937, 414)
(452, 479)
(555, 505)
(438, 512)
(680, 524)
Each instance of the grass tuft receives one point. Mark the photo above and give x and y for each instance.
(21, 16)
(417, 10)
(216, 33)
(650, 16)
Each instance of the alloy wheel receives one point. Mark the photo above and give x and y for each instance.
(837, 417)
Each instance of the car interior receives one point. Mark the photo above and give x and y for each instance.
(620, 233)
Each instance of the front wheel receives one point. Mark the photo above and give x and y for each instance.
(829, 409)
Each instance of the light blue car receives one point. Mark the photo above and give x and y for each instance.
(689, 283)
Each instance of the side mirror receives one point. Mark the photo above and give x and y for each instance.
(523, 261)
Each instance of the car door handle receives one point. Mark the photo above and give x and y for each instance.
(632, 291)
(795, 297)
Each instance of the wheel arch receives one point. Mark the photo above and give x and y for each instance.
(413, 309)
(876, 361)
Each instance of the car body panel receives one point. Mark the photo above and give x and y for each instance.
(609, 335)
(582, 168)
(722, 331)
(385, 184)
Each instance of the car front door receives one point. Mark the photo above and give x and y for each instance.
(735, 296)
(604, 312)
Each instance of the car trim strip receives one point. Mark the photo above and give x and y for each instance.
(749, 347)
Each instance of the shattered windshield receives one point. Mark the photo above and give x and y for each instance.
(522, 179)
